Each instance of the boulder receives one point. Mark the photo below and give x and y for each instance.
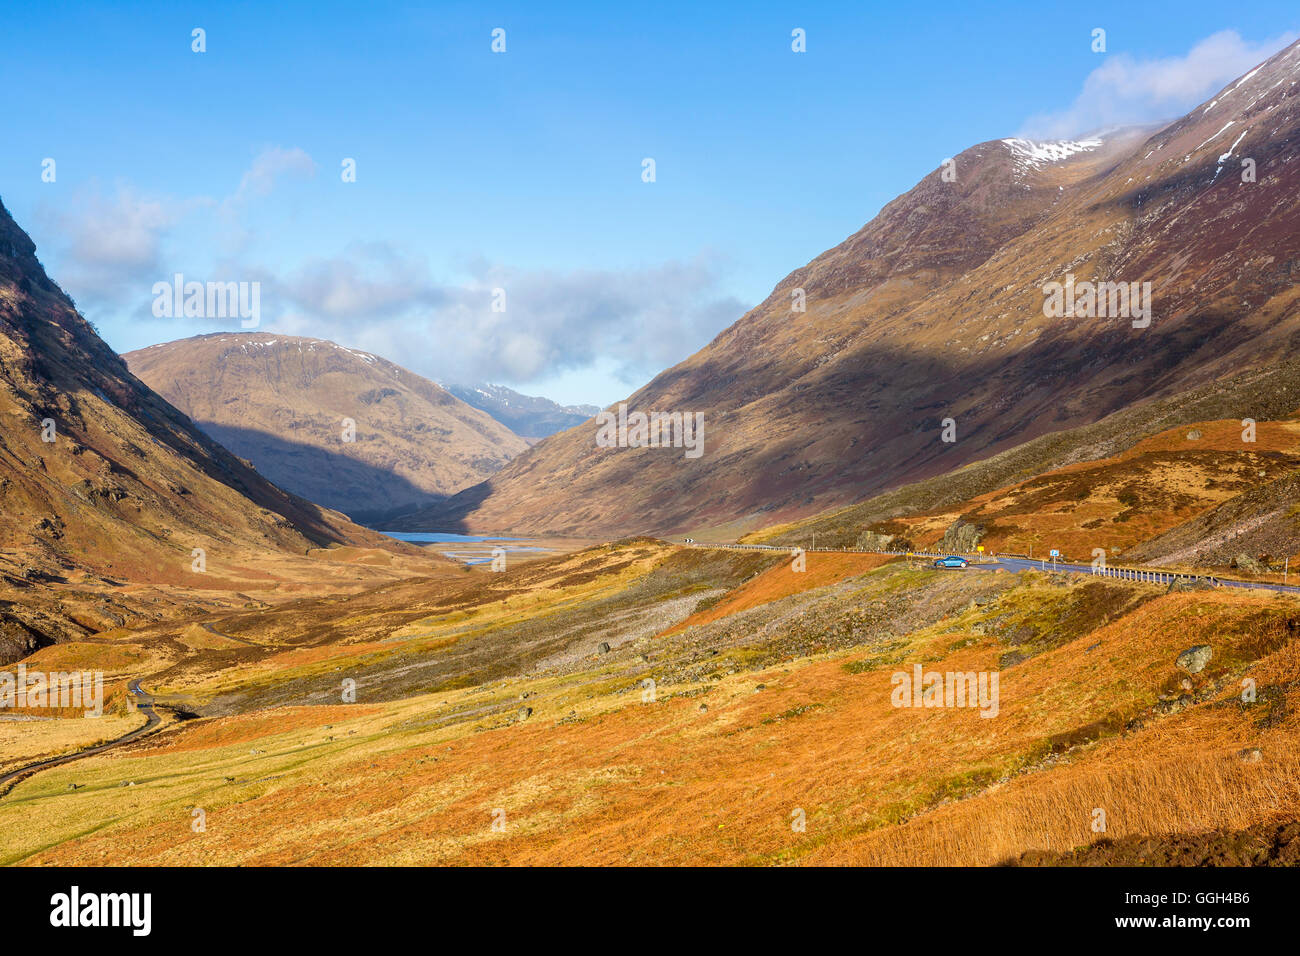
(1245, 562)
(1194, 659)
(1011, 659)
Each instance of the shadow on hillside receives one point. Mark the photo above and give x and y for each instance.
(445, 515)
(364, 492)
(889, 405)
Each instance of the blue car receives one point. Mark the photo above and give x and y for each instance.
(952, 561)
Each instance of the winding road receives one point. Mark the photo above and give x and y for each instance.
(230, 637)
(144, 703)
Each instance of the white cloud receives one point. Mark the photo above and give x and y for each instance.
(369, 280)
(111, 248)
(269, 165)
(375, 298)
(125, 230)
(385, 299)
(1127, 91)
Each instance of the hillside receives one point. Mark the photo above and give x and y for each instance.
(935, 310)
(104, 486)
(281, 402)
(1036, 469)
(1182, 497)
(528, 416)
(1262, 523)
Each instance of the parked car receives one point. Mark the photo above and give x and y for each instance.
(951, 561)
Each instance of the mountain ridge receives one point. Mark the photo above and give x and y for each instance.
(935, 311)
(531, 417)
(284, 403)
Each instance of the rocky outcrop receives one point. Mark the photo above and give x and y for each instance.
(961, 537)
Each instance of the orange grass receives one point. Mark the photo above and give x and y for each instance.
(664, 783)
(781, 581)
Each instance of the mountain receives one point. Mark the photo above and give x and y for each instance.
(281, 402)
(528, 416)
(1118, 481)
(104, 486)
(937, 309)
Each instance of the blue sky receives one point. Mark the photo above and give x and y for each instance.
(522, 170)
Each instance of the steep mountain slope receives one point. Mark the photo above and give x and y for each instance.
(281, 402)
(935, 310)
(526, 415)
(1264, 395)
(103, 483)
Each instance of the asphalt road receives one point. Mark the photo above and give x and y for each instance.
(144, 703)
(1151, 575)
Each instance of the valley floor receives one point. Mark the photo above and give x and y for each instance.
(645, 703)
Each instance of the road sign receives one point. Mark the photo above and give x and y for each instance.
(1055, 553)
(980, 549)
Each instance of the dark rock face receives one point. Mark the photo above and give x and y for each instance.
(102, 482)
(18, 640)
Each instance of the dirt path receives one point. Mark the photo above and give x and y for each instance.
(144, 703)
(230, 637)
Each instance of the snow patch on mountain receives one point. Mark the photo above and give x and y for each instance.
(1035, 155)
